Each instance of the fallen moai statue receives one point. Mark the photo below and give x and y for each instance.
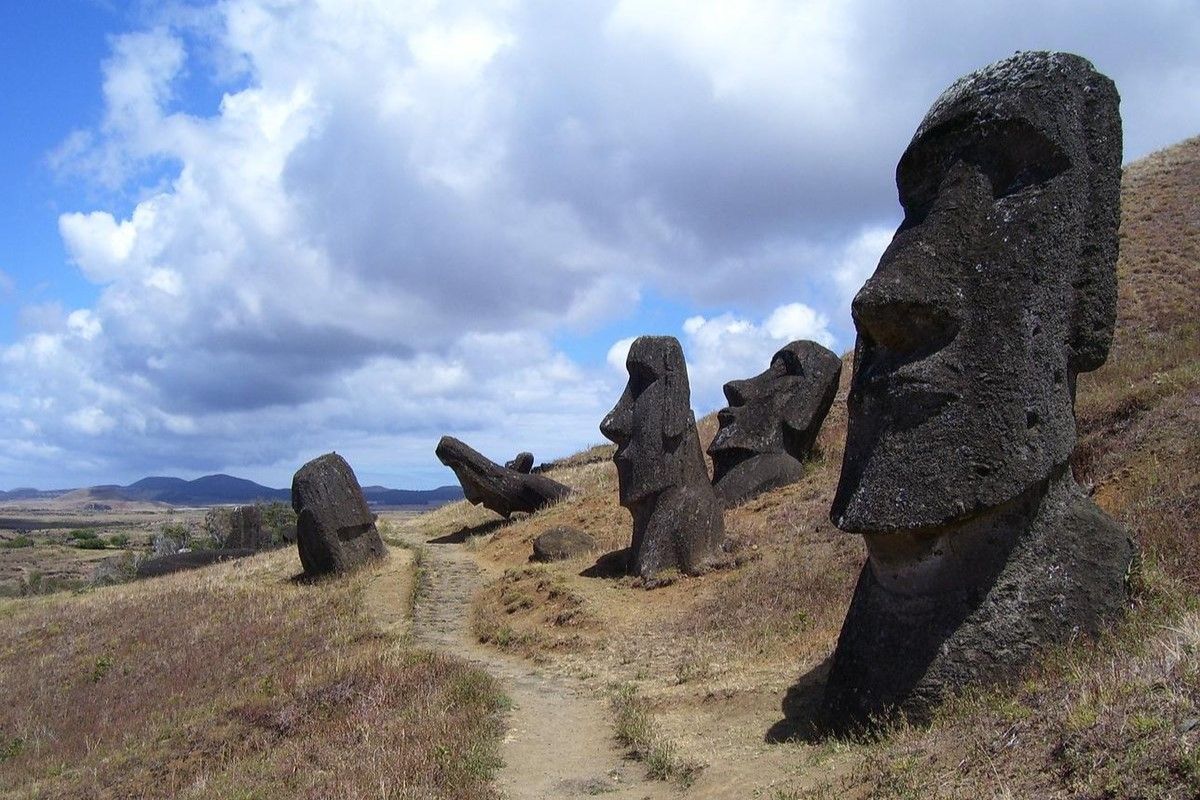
(677, 519)
(768, 429)
(335, 530)
(997, 290)
(502, 490)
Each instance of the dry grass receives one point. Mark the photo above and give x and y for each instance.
(529, 610)
(233, 681)
(635, 728)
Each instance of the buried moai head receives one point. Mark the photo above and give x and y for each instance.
(772, 420)
(335, 529)
(677, 520)
(998, 288)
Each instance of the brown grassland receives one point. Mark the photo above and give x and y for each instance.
(237, 682)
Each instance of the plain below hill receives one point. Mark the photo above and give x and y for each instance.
(219, 490)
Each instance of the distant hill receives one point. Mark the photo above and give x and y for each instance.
(227, 489)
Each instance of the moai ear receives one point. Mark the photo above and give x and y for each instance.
(677, 396)
(1094, 314)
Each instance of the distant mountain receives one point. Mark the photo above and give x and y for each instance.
(214, 490)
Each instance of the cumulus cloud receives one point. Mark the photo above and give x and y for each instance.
(399, 214)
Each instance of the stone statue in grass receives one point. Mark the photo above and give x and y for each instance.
(677, 519)
(502, 489)
(998, 289)
(772, 420)
(335, 530)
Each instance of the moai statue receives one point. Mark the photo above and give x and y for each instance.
(997, 290)
(522, 463)
(677, 519)
(335, 530)
(772, 420)
(502, 489)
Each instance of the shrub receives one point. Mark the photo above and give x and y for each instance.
(173, 537)
(91, 544)
(18, 541)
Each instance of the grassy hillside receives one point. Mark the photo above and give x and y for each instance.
(235, 682)
(238, 682)
(713, 656)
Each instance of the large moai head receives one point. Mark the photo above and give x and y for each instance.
(677, 520)
(768, 429)
(650, 422)
(998, 288)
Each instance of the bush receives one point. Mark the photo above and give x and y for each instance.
(173, 537)
(279, 518)
(119, 540)
(93, 543)
(18, 541)
(79, 534)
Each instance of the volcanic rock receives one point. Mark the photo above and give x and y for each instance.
(768, 429)
(677, 519)
(503, 490)
(997, 290)
(335, 531)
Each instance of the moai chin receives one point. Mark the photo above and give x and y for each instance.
(677, 519)
(768, 429)
(997, 290)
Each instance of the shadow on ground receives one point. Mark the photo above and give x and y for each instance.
(466, 532)
(609, 565)
(803, 718)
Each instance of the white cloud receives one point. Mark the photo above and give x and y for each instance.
(727, 347)
(400, 214)
(91, 421)
(99, 245)
(84, 324)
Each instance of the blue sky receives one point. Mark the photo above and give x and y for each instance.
(239, 234)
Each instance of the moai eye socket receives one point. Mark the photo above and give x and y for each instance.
(1012, 154)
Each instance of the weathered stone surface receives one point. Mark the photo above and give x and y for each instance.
(522, 463)
(503, 490)
(246, 529)
(768, 429)
(561, 543)
(677, 519)
(998, 288)
(335, 530)
(193, 559)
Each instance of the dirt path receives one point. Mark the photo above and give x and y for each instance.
(559, 742)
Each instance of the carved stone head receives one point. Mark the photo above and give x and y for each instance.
(650, 422)
(677, 520)
(998, 288)
(772, 420)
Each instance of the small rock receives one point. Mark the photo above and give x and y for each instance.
(561, 543)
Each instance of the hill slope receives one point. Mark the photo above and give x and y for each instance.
(714, 656)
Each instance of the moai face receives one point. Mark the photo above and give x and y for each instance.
(649, 421)
(777, 411)
(998, 288)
